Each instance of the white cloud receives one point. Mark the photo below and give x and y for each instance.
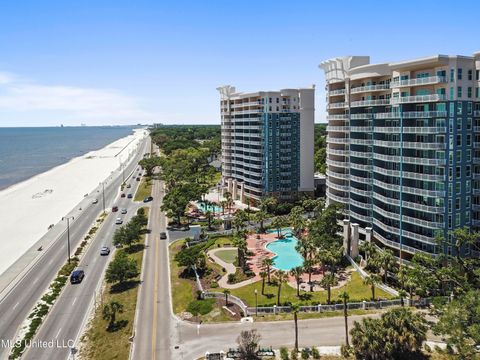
(70, 103)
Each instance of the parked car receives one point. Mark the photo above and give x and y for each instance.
(148, 199)
(138, 179)
(130, 196)
(104, 250)
(129, 186)
(77, 276)
(119, 221)
(123, 195)
(163, 235)
(124, 211)
(114, 208)
(95, 201)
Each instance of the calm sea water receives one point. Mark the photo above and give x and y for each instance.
(26, 152)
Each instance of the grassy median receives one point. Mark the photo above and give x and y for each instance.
(182, 289)
(144, 189)
(98, 342)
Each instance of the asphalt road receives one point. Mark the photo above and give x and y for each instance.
(18, 303)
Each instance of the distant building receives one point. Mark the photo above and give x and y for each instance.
(403, 148)
(267, 143)
(320, 183)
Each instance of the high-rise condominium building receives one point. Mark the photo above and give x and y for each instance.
(267, 143)
(403, 149)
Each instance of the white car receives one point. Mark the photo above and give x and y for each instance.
(95, 201)
(119, 221)
(124, 211)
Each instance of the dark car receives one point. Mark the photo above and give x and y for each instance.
(163, 235)
(129, 186)
(77, 276)
(115, 209)
(129, 196)
(123, 195)
(148, 199)
(138, 179)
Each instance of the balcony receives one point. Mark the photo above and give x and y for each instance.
(361, 128)
(341, 164)
(362, 180)
(334, 174)
(418, 99)
(361, 141)
(360, 154)
(410, 160)
(336, 105)
(337, 187)
(369, 88)
(418, 81)
(387, 214)
(337, 152)
(411, 129)
(336, 92)
(378, 102)
(361, 205)
(333, 140)
(360, 192)
(409, 145)
(361, 217)
(337, 198)
(337, 117)
(411, 115)
(331, 128)
(364, 116)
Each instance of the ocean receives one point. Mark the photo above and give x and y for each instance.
(26, 152)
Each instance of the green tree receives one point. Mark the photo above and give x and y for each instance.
(295, 309)
(248, 342)
(189, 257)
(260, 217)
(398, 334)
(369, 249)
(278, 223)
(226, 292)
(297, 273)
(459, 322)
(309, 266)
(267, 264)
(263, 275)
(297, 221)
(372, 280)
(267, 203)
(345, 297)
(109, 312)
(121, 268)
(327, 282)
(149, 164)
(386, 262)
(281, 278)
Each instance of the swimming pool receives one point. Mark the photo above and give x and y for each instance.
(287, 257)
(204, 208)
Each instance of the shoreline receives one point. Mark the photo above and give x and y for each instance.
(30, 206)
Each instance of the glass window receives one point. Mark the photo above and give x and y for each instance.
(457, 219)
(469, 92)
(469, 108)
(459, 108)
(468, 171)
(459, 91)
(451, 92)
(470, 74)
(477, 74)
(459, 74)
(457, 203)
(452, 75)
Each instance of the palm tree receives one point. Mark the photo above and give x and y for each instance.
(403, 294)
(208, 214)
(278, 223)
(260, 217)
(228, 199)
(369, 249)
(297, 221)
(281, 277)
(327, 282)
(387, 262)
(226, 292)
(223, 204)
(344, 296)
(308, 266)
(295, 309)
(372, 280)
(297, 273)
(267, 263)
(263, 275)
(240, 242)
(266, 202)
(110, 311)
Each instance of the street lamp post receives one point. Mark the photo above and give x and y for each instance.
(68, 235)
(103, 194)
(256, 303)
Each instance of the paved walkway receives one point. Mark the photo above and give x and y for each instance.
(223, 282)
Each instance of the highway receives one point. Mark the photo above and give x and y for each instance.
(18, 303)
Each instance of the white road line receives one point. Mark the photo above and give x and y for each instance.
(15, 305)
(50, 262)
(34, 281)
(58, 333)
(74, 301)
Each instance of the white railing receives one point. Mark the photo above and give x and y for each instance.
(361, 116)
(418, 81)
(367, 88)
(361, 128)
(376, 102)
(337, 152)
(337, 117)
(337, 105)
(337, 198)
(337, 187)
(337, 140)
(418, 98)
(361, 141)
(338, 128)
(336, 92)
(388, 214)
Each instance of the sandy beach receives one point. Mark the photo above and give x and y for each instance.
(29, 207)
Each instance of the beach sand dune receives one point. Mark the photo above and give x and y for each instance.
(29, 207)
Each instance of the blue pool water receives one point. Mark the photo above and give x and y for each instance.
(204, 208)
(287, 256)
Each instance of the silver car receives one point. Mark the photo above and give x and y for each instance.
(104, 250)
(124, 211)
(119, 221)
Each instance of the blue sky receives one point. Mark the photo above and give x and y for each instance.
(122, 62)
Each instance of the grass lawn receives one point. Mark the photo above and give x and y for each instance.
(222, 241)
(144, 189)
(182, 289)
(229, 256)
(355, 288)
(100, 344)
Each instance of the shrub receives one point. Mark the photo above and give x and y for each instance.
(231, 278)
(294, 354)
(201, 307)
(284, 353)
(214, 285)
(315, 353)
(305, 354)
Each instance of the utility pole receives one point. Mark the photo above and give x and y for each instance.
(68, 235)
(103, 195)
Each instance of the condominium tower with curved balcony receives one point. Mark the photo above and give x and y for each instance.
(403, 148)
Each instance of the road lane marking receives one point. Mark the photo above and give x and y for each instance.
(58, 333)
(34, 281)
(75, 299)
(50, 262)
(15, 305)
